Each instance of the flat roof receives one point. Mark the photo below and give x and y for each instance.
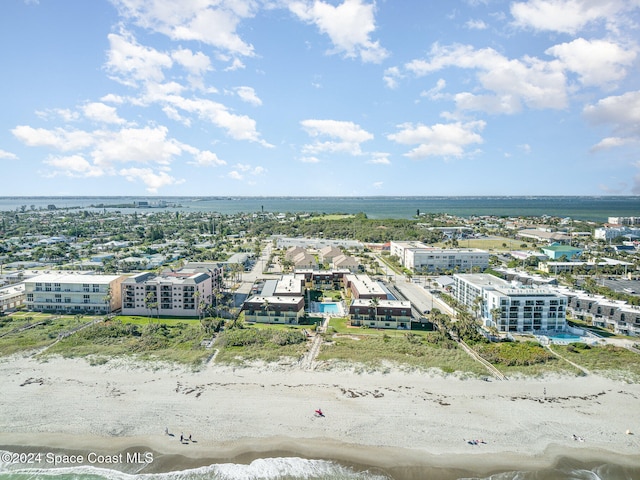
(65, 277)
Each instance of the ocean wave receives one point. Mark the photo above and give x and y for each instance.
(286, 468)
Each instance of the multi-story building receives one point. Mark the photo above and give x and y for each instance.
(376, 313)
(176, 294)
(511, 307)
(423, 258)
(273, 309)
(362, 286)
(11, 297)
(616, 315)
(609, 233)
(73, 293)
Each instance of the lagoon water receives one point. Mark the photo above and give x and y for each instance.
(595, 208)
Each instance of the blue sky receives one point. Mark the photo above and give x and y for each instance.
(320, 97)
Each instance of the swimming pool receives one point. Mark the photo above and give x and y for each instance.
(564, 338)
(329, 307)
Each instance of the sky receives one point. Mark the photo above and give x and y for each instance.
(319, 97)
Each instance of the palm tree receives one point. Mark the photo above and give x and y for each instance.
(107, 300)
(373, 308)
(266, 306)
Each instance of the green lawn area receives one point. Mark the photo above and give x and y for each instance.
(608, 360)
(489, 243)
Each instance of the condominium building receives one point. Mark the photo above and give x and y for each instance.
(362, 286)
(273, 309)
(11, 297)
(177, 294)
(509, 306)
(73, 293)
(420, 257)
(380, 313)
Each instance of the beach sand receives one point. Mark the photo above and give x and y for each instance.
(397, 421)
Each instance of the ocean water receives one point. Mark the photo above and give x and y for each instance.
(580, 208)
(294, 468)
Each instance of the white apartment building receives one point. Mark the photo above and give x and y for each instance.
(511, 307)
(173, 294)
(11, 297)
(423, 258)
(609, 233)
(73, 293)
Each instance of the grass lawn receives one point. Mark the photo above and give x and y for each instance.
(341, 325)
(489, 244)
(608, 360)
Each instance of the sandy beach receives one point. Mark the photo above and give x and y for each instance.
(392, 419)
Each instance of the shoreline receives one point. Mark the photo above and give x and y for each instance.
(401, 423)
(399, 463)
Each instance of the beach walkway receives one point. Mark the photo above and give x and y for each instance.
(582, 369)
(473, 354)
(307, 361)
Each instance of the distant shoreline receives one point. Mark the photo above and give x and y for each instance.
(590, 208)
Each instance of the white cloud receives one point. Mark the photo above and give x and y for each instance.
(7, 155)
(435, 92)
(446, 140)
(139, 145)
(65, 114)
(236, 64)
(196, 63)
(239, 127)
(211, 22)
(391, 77)
(154, 181)
(73, 166)
(310, 160)
(377, 185)
(208, 159)
(510, 82)
(567, 16)
(349, 25)
(248, 94)
(597, 62)
(99, 112)
(348, 136)
(612, 142)
(131, 63)
(59, 138)
(476, 25)
(379, 158)
(621, 111)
